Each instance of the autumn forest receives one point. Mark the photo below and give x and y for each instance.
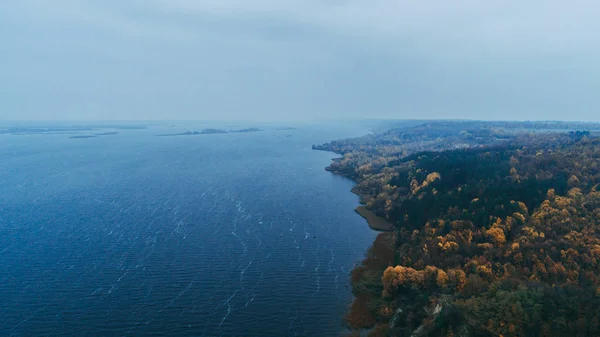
(496, 229)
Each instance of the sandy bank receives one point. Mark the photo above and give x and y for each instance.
(375, 222)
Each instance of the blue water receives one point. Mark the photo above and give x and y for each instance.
(214, 235)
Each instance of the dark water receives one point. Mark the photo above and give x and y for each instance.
(131, 234)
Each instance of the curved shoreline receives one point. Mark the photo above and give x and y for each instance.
(357, 318)
(374, 221)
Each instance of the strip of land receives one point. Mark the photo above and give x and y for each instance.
(495, 226)
(375, 222)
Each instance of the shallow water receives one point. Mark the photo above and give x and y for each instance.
(131, 234)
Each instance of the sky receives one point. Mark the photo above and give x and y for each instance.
(283, 60)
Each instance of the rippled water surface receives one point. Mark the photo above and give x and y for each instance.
(132, 234)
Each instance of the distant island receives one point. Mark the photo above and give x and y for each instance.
(65, 129)
(210, 132)
(38, 130)
(95, 135)
(286, 129)
(248, 130)
(195, 133)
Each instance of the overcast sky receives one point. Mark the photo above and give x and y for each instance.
(299, 59)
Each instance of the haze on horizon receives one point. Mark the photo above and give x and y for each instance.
(283, 60)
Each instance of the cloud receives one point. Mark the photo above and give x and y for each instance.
(549, 24)
(505, 26)
(306, 59)
(440, 28)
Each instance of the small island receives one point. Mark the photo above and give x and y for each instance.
(82, 136)
(195, 133)
(248, 130)
(212, 131)
(52, 129)
(105, 134)
(43, 130)
(286, 129)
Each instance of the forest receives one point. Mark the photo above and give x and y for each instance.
(497, 230)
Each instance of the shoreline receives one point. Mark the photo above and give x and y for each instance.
(358, 318)
(374, 221)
